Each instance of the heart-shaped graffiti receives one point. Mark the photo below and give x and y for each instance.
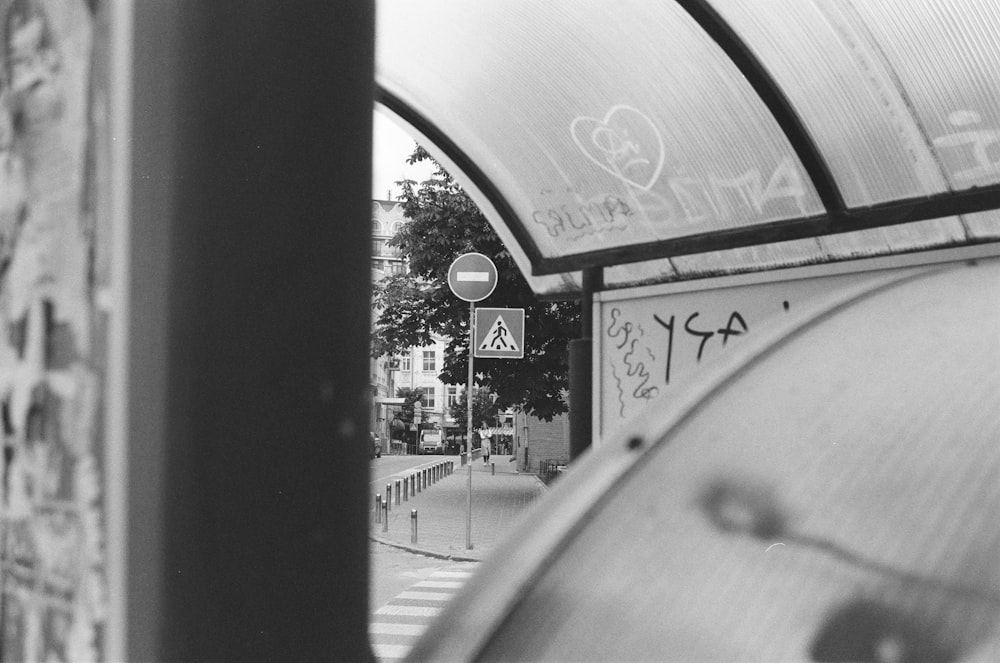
(625, 143)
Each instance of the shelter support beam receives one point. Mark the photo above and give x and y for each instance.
(581, 368)
(249, 318)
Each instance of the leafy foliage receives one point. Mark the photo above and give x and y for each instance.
(412, 307)
(483, 408)
(410, 398)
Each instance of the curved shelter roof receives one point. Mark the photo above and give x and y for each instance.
(679, 139)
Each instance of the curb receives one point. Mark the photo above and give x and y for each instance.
(454, 557)
(424, 551)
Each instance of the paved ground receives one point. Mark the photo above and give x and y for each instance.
(499, 497)
(397, 625)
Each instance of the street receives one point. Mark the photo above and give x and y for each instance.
(386, 467)
(407, 590)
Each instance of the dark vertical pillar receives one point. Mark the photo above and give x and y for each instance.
(581, 369)
(249, 331)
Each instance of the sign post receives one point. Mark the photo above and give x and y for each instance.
(472, 277)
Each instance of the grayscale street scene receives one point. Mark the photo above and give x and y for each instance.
(433, 331)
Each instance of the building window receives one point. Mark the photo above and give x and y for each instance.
(451, 395)
(429, 361)
(397, 226)
(430, 402)
(404, 363)
(376, 227)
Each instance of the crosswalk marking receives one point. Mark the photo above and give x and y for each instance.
(385, 628)
(439, 584)
(425, 596)
(390, 651)
(394, 628)
(408, 611)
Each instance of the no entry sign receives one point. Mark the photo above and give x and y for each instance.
(472, 277)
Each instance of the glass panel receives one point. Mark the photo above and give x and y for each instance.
(602, 124)
(946, 56)
(901, 96)
(803, 486)
(833, 72)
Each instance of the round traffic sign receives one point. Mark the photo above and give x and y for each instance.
(472, 277)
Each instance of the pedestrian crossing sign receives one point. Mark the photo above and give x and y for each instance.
(499, 333)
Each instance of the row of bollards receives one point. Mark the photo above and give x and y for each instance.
(404, 488)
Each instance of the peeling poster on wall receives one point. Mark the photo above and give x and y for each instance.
(53, 577)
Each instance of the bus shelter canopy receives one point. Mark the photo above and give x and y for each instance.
(673, 140)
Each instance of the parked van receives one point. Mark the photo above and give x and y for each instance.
(431, 442)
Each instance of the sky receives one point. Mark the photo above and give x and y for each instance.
(391, 147)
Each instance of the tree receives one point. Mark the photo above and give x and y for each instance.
(484, 408)
(411, 398)
(399, 426)
(445, 223)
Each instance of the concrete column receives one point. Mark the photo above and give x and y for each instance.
(247, 355)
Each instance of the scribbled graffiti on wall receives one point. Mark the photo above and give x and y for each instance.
(651, 345)
(650, 198)
(653, 198)
(976, 147)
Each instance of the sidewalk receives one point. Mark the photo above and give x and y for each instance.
(498, 500)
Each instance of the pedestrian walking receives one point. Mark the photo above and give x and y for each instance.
(484, 436)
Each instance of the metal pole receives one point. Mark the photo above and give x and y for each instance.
(388, 496)
(397, 492)
(468, 427)
(581, 368)
(378, 507)
(385, 516)
(413, 526)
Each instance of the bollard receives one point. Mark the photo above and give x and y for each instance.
(493, 468)
(416, 482)
(388, 496)
(413, 484)
(423, 474)
(385, 519)
(397, 492)
(406, 488)
(413, 526)
(378, 507)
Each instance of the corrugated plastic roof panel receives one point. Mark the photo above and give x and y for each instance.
(680, 139)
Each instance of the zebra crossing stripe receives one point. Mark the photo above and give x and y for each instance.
(386, 628)
(390, 651)
(439, 584)
(452, 574)
(425, 596)
(408, 611)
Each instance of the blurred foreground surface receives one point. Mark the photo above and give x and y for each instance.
(828, 492)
